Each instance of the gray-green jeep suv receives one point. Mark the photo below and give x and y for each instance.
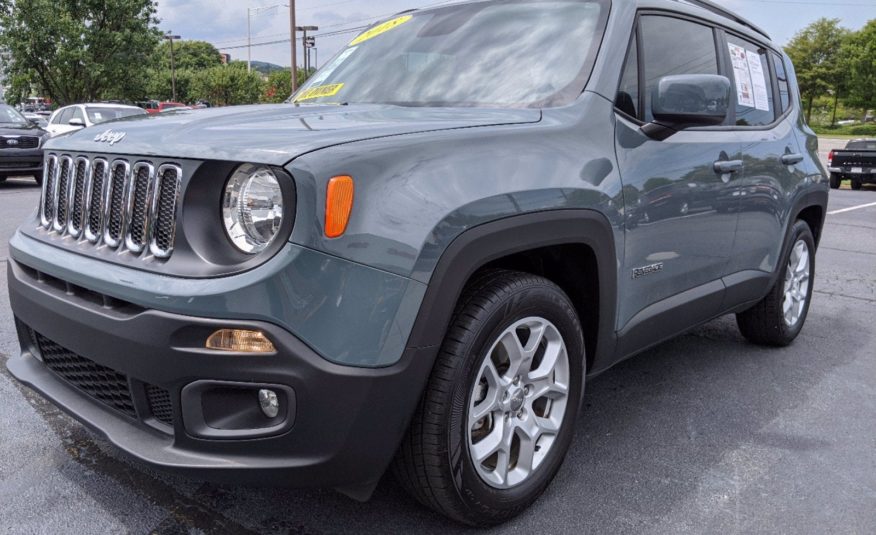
(418, 261)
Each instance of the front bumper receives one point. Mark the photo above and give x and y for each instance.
(21, 161)
(344, 423)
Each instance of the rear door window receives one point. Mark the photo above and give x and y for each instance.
(750, 71)
(673, 46)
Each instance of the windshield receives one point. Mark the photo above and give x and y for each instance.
(102, 115)
(8, 115)
(499, 53)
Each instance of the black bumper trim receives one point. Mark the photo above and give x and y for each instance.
(349, 421)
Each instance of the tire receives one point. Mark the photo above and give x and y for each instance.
(835, 181)
(856, 184)
(435, 461)
(769, 323)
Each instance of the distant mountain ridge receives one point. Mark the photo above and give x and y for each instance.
(266, 68)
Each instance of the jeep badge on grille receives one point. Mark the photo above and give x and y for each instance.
(110, 136)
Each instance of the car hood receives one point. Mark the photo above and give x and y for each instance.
(273, 134)
(23, 130)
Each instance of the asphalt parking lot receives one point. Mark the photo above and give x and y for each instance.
(704, 434)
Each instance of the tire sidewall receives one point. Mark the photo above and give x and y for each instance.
(552, 305)
(800, 231)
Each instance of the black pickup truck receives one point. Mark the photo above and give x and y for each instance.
(857, 162)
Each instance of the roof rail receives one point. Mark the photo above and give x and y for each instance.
(708, 5)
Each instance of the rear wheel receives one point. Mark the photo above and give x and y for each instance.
(779, 318)
(856, 184)
(498, 414)
(835, 181)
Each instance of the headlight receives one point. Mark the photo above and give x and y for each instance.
(252, 208)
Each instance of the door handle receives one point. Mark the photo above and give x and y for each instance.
(792, 159)
(728, 167)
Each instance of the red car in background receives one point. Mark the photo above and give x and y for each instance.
(154, 107)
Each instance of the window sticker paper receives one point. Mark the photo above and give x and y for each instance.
(742, 74)
(759, 81)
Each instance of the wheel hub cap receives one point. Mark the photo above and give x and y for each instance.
(797, 277)
(518, 402)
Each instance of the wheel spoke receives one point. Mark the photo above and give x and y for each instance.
(490, 444)
(547, 386)
(526, 453)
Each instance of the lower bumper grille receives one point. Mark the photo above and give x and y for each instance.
(99, 382)
(160, 404)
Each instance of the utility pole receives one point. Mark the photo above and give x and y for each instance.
(249, 39)
(170, 37)
(294, 41)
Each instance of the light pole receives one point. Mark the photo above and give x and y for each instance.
(308, 44)
(170, 37)
(293, 35)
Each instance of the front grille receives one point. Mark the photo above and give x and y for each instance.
(116, 216)
(99, 382)
(160, 404)
(77, 214)
(23, 142)
(124, 205)
(62, 192)
(48, 203)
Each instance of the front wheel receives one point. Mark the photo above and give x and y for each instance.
(779, 318)
(498, 414)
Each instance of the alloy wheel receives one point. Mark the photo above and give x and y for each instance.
(518, 402)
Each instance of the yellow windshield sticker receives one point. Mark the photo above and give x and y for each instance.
(320, 91)
(381, 29)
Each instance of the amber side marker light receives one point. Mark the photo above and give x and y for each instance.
(240, 341)
(338, 205)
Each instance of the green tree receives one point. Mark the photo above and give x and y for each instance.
(187, 55)
(860, 57)
(158, 85)
(278, 87)
(817, 55)
(227, 85)
(80, 50)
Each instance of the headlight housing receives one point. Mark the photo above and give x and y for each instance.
(252, 208)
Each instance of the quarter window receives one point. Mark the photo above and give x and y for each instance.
(749, 66)
(784, 86)
(673, 46)
(627, 98)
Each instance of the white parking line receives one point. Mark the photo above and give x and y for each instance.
(852, 209)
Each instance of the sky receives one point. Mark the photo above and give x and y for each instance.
(224, 22)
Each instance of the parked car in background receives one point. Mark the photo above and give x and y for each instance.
(153, 106)
(38, 119)
(857, 163)
(21, 142)
(78, 116)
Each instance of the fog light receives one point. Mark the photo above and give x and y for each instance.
(269, 402)
(240, 341)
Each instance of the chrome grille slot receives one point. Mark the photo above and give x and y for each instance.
(47, 207)
(124, 204)
(96, 204)
(139, 201)
(115, 218)
(77, 197)
(164, 208)
(62, 193)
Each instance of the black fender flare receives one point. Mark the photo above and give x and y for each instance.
(480, 245)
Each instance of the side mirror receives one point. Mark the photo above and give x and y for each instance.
(79, 123)
(687, 101)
